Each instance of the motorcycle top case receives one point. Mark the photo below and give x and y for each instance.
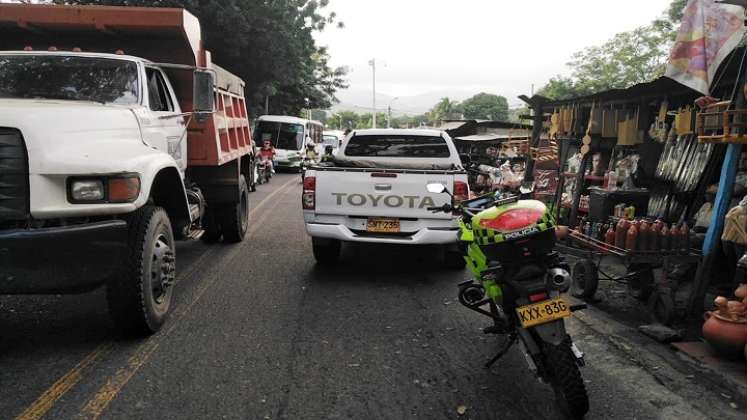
(516, 231)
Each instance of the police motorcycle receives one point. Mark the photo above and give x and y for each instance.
(519, 284)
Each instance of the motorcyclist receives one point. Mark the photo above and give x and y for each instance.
(310, 153)
(267, 154)
(328, 156)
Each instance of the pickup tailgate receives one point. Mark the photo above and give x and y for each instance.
(400, 194)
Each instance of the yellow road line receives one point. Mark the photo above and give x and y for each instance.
(106, 394)
(96, 406)
(41, 406)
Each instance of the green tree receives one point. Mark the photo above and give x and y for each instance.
(628, 58)
(269, 44)
(446, 109)
(486, 106)
(344, 119)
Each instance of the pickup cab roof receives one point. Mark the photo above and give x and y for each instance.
(399, 132)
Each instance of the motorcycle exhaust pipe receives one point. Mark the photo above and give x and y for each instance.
(559, 279)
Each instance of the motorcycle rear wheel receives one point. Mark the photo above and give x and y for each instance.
(566, 379)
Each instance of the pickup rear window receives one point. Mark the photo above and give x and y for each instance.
(397, 146)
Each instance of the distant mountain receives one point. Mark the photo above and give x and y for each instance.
(360, 101)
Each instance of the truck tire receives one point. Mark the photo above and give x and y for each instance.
(234, 218)
(139, 296)
(326, 251)
(211, 227)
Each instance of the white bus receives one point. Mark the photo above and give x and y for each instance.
(289, 136)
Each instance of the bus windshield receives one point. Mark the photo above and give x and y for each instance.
(284, 136)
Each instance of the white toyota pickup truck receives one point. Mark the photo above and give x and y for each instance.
(375, 192)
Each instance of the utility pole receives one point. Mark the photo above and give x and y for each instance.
(267, 104)
(389, 113)
(372, 63)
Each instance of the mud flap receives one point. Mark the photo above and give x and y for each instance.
(552, 332)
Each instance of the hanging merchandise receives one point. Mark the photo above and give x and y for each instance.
(555, 124)
(683, 121)
(609, 123)
(595, 120)
(627, 131)
(659, 128)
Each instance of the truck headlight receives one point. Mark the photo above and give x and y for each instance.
(112, 189)
(87, 190)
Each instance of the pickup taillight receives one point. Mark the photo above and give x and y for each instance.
(309, 193)
(461, 192)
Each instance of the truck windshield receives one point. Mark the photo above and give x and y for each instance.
(397, 146)
(284, 136)
(68, 78)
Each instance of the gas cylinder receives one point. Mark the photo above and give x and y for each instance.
(664, 239)
(674, 238)
(685, 238)
(644, 236)
(631, 239)
(654, 241)
(620, 231)
(609, 237)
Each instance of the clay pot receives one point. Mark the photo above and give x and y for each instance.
(727, 337)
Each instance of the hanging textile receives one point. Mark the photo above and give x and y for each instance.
(709, 32)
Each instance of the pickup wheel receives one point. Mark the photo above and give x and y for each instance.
(234, 218)
(139, 295)
(326, 251)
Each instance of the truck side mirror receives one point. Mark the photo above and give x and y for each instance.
(203, 98)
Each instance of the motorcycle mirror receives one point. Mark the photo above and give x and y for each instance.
(436, 188)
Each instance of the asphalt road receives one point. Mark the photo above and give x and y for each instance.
(258, 331)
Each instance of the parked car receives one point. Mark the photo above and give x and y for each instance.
(375, 193)
(108, 158)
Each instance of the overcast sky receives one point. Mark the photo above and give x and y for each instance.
(498, 46)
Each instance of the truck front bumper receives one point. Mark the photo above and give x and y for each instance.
(426, 236)
(69, 259)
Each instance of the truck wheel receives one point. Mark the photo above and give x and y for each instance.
(210, 224)
(139, 296)
(326, 251)
(234, 218)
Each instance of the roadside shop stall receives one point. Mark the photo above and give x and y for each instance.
(494, 161)
(636, 186)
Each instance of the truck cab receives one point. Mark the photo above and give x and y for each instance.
(108, 158)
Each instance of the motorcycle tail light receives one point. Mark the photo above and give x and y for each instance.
(514, 219)
(309, 193)
(538, 297)
(461, 192)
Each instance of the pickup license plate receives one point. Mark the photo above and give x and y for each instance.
(543, 312)
(379, 225)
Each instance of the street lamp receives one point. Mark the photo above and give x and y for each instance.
(372, 63)
(389, 113)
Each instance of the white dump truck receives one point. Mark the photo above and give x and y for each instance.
(118, 135)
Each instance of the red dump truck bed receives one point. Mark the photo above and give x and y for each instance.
(162, 35)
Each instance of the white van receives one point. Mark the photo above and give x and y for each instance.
(288, 135)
